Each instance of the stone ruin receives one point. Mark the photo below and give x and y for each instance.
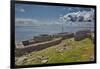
(42, 38)
(64, 35)
(82, 34)
(28, 42)
(37, 39)
(37, 46)
(45, 37)
(45, 41)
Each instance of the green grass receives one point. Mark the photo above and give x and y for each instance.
(78, 51)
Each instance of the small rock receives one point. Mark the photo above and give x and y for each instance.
(16, 59)
(21, 59)
(32, 59)
(43, 58)
(68, 47)
(61, 50)
(44, 61)
(64, 45)
(91, 58)
(39, 57)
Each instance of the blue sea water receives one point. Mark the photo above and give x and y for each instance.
(24, 32)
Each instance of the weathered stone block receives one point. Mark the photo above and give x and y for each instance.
(64, 35)
(28, 42)
(82, 34)
(42, 38)
(25, 42)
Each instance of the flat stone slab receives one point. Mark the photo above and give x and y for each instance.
(44, 61)
(21, 59)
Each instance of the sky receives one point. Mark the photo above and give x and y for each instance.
(30, 13)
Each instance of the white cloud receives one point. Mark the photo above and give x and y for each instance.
(78, 16)
(69, 8)
(64, 8)
(25, 21)
(22, 10)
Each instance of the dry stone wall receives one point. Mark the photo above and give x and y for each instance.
(36, 47)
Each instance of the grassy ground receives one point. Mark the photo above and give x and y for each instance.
(75, 51)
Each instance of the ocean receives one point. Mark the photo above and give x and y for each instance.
(24, 32)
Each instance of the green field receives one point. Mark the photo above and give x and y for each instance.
(67, 51)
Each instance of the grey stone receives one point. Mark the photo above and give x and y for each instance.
(21, 59)
(32, 59)
(44, 58)
(42, 38)
(60, 50)
(65, 35)
(28, 42)
(82, 34)
(44, 61)
(91, 58)
(39, 57)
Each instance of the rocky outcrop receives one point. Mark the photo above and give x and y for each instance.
(82, 34)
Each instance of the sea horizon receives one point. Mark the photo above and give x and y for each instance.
(24, 32)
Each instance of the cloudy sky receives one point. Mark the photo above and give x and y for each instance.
(26, 13)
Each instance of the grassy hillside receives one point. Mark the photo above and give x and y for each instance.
(67, 51)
